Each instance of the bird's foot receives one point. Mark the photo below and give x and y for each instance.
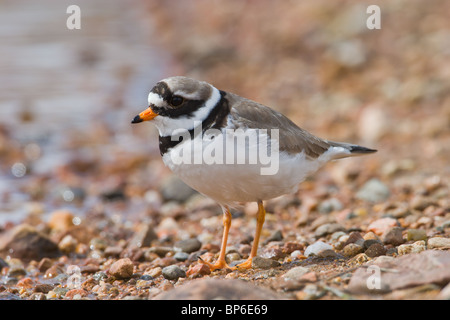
(219, 264)
(247, 264)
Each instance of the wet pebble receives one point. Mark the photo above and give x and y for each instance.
(173, 272)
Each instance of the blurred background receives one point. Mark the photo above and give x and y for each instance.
(67, 96)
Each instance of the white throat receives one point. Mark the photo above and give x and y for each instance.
(168, 126)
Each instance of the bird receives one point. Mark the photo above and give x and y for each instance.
(234, 150)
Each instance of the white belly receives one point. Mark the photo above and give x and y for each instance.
(229, 182)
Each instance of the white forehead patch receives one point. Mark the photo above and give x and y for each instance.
(155, 99)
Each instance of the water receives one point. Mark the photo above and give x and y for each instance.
(55, 81)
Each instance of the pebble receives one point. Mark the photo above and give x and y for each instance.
(439, 243)
(264, 263)
(330, 205)
(143, 237)
(373, 191)
(198, 270)
(382, 225)
(122, 269)
(328, 228)
(173, 272)
(416, 235)
(295, 273)
(172, 188)
(394, 236)
(275, 236)
(68, 244)
(188, 245)
(415, 247)
(320, 249)
(61, 220)
(375, 250)
(355, 237)
(181, 256)
(352, 249)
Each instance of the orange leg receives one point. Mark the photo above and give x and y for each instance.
(260, 218)
(221, 263)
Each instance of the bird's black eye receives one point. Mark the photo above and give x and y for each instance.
(176, 101)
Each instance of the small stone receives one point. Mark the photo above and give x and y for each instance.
(355, 237)
(352, 249)
(328, 228)
(26, 243)
(43, 287)
(368, 243)
(160, 251)
(370, 236)
(264, 263)
(172, 188)
(25, 283)
(276, 236)
(154, 272)
(416, 234)
(68, 244)
(44, 264)
(330, 205)
(382, 225)
(173, 272)
(318, 248)
(75, 294)
(295, 273)
(290, 247)
(61, 220)
(394, 236)
(198, 271)
(143, 237)
(375, 250)
(122, 269)
(181, 256)
(233, 256)
(113, 251)
(439, 243)
(415, 247)
(188, 245)
(374, 191)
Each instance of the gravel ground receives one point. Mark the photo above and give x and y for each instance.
(108, 221)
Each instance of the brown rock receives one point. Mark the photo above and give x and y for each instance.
(198, 270)
(375, 250)
(208, 289)
(26, 243)
(393, 236)
(61, 220)
(122, 269)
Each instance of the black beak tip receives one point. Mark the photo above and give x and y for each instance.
(136, 119)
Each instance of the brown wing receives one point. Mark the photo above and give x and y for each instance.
(292, 139)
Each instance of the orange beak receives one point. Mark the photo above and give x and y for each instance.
(145, 115)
